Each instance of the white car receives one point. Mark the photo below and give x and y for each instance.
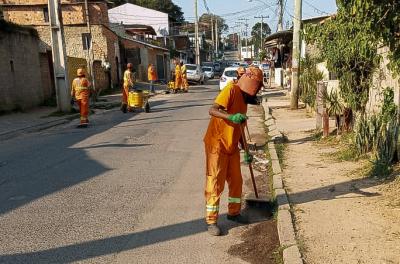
(195, 74)
(208, 71)
(229, 75)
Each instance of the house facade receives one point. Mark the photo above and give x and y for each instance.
(35, 13)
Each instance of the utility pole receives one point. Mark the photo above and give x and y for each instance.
(196, 34)
(280, 16)
(89, 44)
(294, 98)
(240, 39)
(247, 26)
(212, 35)
(216, 37)
(261, 33)
(59, 56)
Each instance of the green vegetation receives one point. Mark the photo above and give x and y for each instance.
(349, 46)
(309, 76)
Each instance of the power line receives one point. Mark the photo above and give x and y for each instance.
(317, 10)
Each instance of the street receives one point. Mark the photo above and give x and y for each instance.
(129, 189)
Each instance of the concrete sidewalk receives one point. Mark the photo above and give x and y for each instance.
(41, 118)
(340, 216)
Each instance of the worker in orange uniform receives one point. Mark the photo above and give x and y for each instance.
(178, 77)
(240, 72)
(128, 84)
(185, 84)
(152, 76)
(223, 135)
(80, 92)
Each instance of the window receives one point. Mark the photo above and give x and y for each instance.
(191, 67)
(12, 65)
(46, 14)
(86, 41)
(231, 74)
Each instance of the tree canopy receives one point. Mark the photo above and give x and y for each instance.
(205, 20)
(255, 33)
(167, 6)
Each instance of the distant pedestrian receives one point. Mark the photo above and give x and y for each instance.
(128, 84)
(80, 92)
(222, 138)
(152, 76)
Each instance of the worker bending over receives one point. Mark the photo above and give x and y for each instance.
(128, 84)
(223, 135)
(80, 92)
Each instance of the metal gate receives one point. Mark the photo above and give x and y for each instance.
(160, 67)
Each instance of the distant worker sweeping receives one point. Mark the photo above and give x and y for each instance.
(185, 84)
(223, 135)
(128, 84)
(152, 76)
(80, 92)
(178, 77)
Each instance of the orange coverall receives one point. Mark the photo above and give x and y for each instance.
(222, 155)
(128, 83)
(185, 84)
(151, 73)
(81, 91)
(178, 77)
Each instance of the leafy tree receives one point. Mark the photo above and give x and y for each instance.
(205, 21)
(382, 20)
(166, 6)
(349, 50)
(256, 36)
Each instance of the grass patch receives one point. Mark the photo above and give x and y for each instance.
(280, 147)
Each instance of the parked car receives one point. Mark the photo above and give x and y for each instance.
(195, 74)
(230, 74)
(208, 71)
(217, 67)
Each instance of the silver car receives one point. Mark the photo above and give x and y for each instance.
(208, 71)
(195, 74)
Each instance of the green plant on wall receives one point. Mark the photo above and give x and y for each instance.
(350, 51)
(309, 76)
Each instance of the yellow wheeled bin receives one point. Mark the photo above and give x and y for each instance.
(139, 99)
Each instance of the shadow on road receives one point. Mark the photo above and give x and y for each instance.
(116, 244)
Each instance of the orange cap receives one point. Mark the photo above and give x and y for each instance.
(129, 66)
(252, 81)
(241, 71)
(80, 72)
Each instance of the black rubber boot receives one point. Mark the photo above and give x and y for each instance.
(214, 230)
(238, 219)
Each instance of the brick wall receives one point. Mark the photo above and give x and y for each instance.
(73, 14)
(20, 75)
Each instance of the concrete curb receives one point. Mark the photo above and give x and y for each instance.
(286, 231)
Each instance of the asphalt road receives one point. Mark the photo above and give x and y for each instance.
(129, 189)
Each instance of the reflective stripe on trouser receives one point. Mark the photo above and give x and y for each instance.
(125, 94)
(185, 84)
(220, 168)
(84, 109)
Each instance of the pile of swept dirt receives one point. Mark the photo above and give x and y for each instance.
(260, 244)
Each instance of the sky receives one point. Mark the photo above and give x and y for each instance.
(232, 10)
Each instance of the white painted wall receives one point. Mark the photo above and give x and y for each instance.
(133, 14)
